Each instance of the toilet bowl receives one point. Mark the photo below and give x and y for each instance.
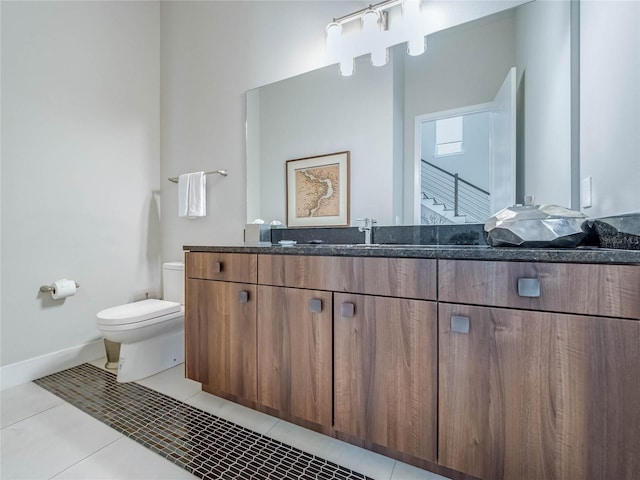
(150, 332)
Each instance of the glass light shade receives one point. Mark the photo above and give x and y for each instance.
(370, 22)
(336, 49)
(416, 44)
(371, 31)
(379, 57)
(347, 67)
(334, 34)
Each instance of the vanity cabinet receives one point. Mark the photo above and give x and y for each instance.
(295, 338)
(526, 393)
(385, 377)
(220, 323)
(496, 370)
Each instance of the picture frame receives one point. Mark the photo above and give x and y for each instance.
(318, 191)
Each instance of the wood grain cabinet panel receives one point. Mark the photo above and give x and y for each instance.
(229, 267)
(394, 277)
(607, 290)
(385, 376)
(529, 395)
(221, 338)
(295, 352)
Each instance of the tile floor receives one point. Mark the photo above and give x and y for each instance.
(44, 437)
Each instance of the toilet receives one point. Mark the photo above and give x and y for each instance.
(150, 332)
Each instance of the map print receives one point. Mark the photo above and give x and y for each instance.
(317, 192)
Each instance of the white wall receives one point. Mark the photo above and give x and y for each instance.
(610, 105)
(544, 58)
(321, 112)
(80, 166)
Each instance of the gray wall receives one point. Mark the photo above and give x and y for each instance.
(610, 105)
(80, 169)
(544, 62)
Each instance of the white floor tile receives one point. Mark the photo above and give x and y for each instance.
(243, 416)
(173, 383)
(24, 401)
(47, 443)
(369, 463)
(124, 459)
(402, 471)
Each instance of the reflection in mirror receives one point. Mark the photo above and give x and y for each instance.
(373, 114)
(467, 160)
(455, 143)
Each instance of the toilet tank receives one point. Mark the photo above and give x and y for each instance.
(173, 281)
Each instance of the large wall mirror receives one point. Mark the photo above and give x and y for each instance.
(395, 121)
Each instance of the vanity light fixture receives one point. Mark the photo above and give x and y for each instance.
(374, 36)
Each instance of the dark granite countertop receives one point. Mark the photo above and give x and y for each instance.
(455, 252)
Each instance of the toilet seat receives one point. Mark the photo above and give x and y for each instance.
(106, 329)
(137, 314)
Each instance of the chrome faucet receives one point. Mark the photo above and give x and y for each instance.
(366, 228)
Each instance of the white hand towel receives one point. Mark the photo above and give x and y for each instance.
(183, 195)
(192, 195)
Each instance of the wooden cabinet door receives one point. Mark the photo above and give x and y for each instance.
(385, 375)
(533, 396)
(295, 352)
(220, 335)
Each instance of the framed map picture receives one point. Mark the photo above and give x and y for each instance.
(318, 191)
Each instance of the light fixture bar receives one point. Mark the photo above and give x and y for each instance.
(378, 7)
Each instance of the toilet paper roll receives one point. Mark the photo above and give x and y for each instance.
(63, 288)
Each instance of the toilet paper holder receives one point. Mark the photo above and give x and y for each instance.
(50, 288)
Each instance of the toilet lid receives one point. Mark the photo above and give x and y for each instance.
(137, 312)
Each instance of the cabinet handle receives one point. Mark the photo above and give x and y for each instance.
(347, 309)
(217, 267)
(459, 324)
(243, 296)
(529, 287)
(315, 305)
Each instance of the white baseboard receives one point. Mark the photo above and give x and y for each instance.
(27, 370)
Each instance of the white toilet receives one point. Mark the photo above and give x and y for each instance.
(150, 332)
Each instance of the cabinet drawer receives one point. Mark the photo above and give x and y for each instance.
(393, 277)
(230, 267)
(604, 290)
